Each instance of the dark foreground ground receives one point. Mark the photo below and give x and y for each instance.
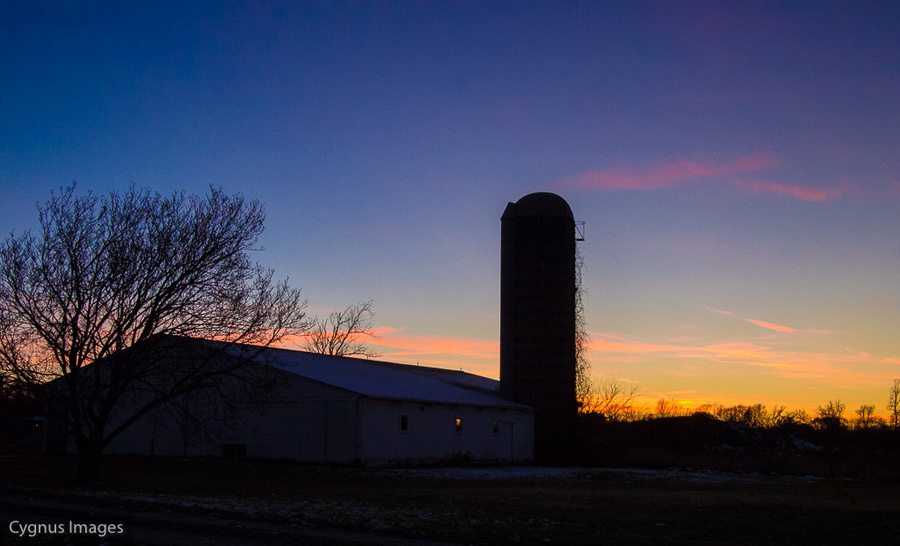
(166, 501)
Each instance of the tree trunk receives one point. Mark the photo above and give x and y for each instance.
(89, 452)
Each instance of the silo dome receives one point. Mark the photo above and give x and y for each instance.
(544, 204)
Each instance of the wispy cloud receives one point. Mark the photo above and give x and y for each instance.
(669, 174)
(398, 345)
(621, 349)
(800, 192)
(408, 344)
(480, 356)
(768, 358)
(771, 326)
(717, 311)
(789, 329)
(672, 174)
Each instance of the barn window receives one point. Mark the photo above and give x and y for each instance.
(404, 423)
(458, 425)
(496, 428)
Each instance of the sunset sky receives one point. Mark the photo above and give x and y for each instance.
(737, 165)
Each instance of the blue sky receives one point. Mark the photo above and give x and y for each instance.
(736, 165)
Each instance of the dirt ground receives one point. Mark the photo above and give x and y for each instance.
(195, 502)
(155, 524)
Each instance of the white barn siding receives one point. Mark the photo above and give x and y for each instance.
(305, 421)
(153, 434)
(340, 410)
(309, 421)
(349, 428)
(432, 432)
(321, 431)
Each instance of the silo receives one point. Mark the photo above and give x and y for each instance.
(537, 317)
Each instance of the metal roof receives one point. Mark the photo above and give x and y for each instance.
(391, 380)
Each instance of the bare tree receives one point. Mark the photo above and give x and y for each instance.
(755, 415)
(777, 416)
(585, 388)
(865, 417)
(667, 407)
(831, 415)
(893, 405)
(95, 299)
(796, 417)
(342, 332)
(613, 398)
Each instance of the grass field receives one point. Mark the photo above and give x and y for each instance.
(500, 505)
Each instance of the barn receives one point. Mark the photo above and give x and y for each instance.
(329, 409)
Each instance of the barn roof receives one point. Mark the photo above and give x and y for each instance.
(371, 378)
(391, 380)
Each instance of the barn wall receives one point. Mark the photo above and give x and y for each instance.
(431, 432)
(319, 431)
(317, 423)
(153, 434)
(307, 421)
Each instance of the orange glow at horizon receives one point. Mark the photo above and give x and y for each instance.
(430, 344)
(477, 356)
(609, 347)
(634, 361)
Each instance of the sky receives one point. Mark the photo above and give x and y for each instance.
(736, 164)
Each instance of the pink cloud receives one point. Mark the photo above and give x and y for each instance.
(675, 173)
(407, 345)
(771, 326)
(479, 356)
(800, 192)
(667, 175)
(608, 348)
(718, 311)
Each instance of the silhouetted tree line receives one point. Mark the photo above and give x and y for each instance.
(612, 399)
(744, 438)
